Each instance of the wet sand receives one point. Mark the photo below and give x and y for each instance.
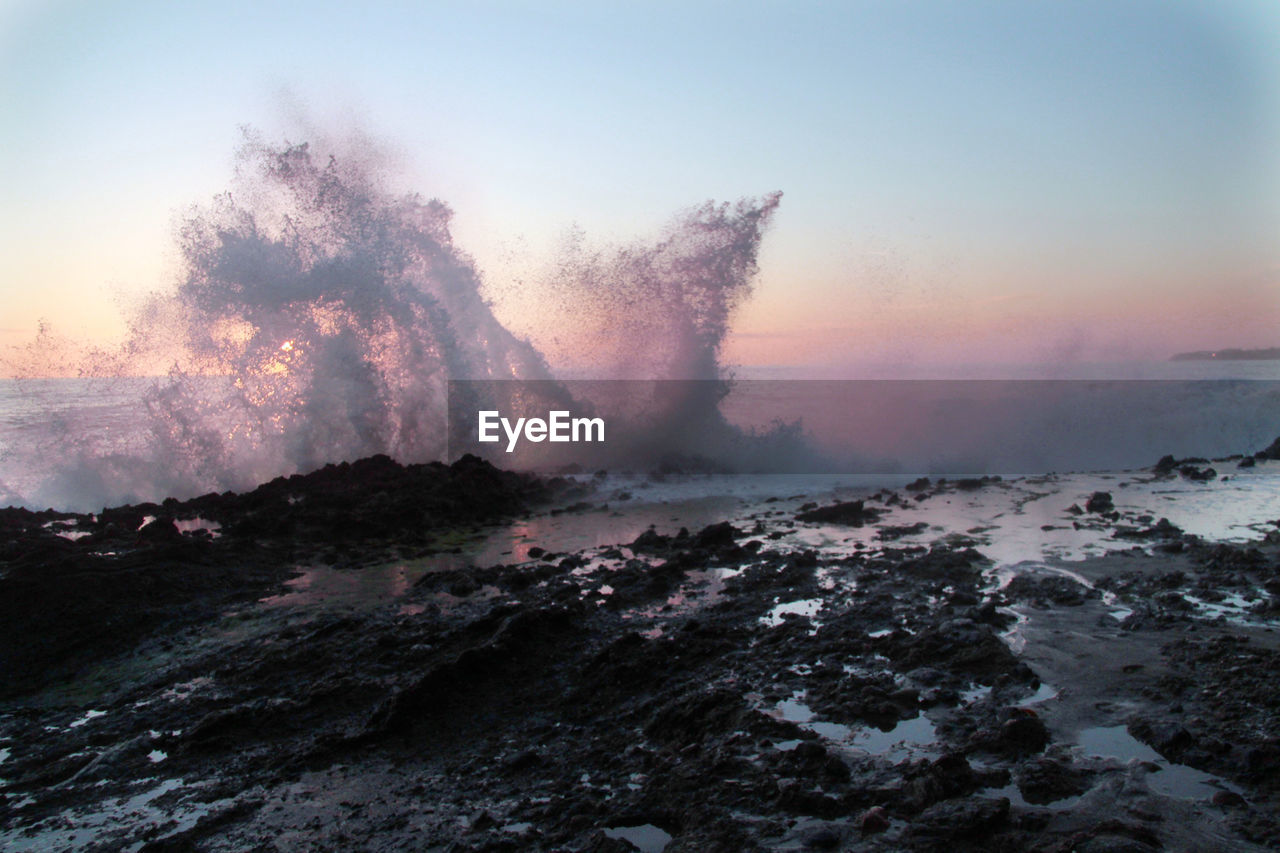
(1074, 662)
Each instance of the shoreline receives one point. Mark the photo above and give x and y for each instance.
(337, 672)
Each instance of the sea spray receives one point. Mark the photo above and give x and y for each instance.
(319, 317)
(649, 322)
(661, 310)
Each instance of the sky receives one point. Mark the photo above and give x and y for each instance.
(972, 182)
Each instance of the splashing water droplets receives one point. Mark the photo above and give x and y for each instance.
(337, 311)
(319, 317)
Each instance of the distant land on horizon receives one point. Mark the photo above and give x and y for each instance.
(1271, 354)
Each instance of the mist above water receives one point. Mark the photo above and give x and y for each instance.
(319, 317)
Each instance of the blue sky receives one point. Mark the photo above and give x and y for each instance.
(1013, 180)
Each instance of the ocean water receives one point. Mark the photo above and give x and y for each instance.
(1016, 427)
(49, 426)
(88, 442)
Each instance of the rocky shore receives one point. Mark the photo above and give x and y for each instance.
(324, 664)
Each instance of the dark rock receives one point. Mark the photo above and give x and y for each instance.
(927, 675)
(945, 778)
(1271, 452)
(1114, 836)
(890, 533)
(524, 760)
(716, 536)
(1099, 502)
(1228, 799)
(1162, 529)
(960, 819)
(1022, 733)
(873, 820)
(1025, 733)
(821, 838)
(1113, 844)
(1044, 780)
(463, 585)
(690, 719)
(1056, 589)
(601, 843)
(801, 800)
(573, 508)
(811, 760)
(945, 564)
(651, 541)
(1167, 738)
(1173, 601)
(497, 707)
(962, 647)
(852, 513)
(160, 530)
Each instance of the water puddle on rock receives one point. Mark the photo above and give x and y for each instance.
(806, 608)
(356, 588)
(795, 711)
(1234, 607)
(1017, 800)
(1043, 693)
(702, 588)
(110, 824)
(646, 837)
(88, 715)
(1171, 780)
(905, 739)
(621, 523)
(1030, 520)
(979, 692)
